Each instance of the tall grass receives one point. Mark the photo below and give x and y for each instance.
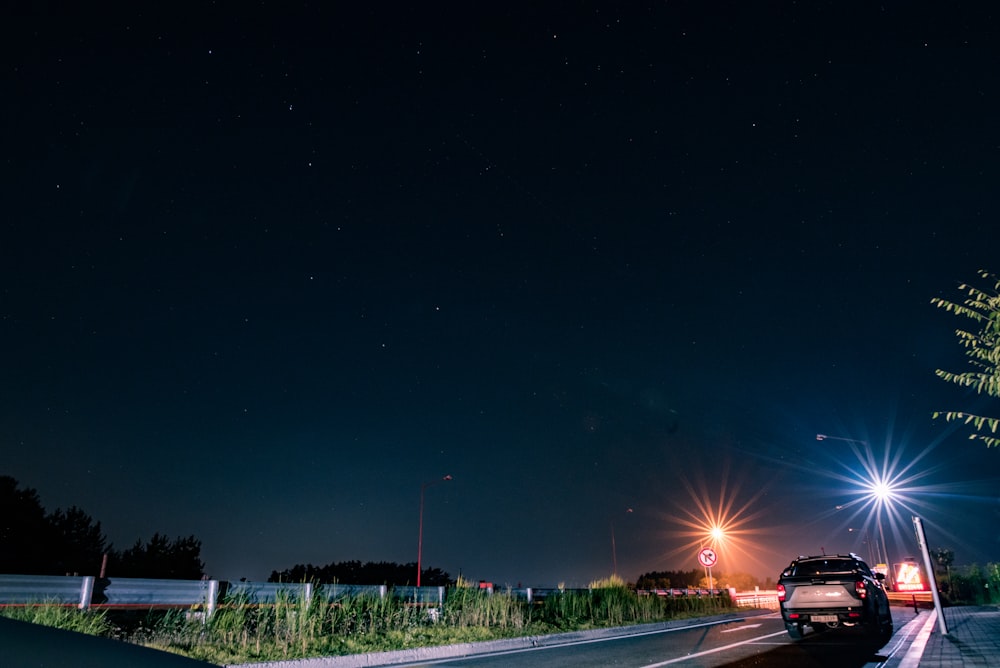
(292, 627)
(465, 608)
(613, 603)
(91, 622)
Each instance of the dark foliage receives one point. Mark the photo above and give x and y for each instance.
(35, 543)
(369, 573)
(668, 579)
(71, 542)
(161, 558)
(81, 545)
(25, 535)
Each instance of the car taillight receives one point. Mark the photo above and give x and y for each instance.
(781, 592)
(860, 589)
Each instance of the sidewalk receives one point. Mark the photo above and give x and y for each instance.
(973, 639)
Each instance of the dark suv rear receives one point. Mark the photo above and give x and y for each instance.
(831, 591)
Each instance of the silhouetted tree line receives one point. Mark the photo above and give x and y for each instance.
(695, 578)
(34, 542)
(670, 579)
(368, 573)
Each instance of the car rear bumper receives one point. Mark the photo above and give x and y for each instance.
(823, 616)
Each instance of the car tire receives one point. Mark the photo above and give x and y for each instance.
(879, 631)
(794, 630)
(887, 630)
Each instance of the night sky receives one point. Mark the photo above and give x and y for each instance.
(267, 269)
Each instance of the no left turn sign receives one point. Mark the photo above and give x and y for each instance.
(707, 557)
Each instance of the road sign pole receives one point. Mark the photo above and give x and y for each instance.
(918, 527)
(707, 558)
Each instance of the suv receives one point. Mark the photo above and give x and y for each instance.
(833, 591)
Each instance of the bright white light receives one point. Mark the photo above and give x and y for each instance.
(882, 491)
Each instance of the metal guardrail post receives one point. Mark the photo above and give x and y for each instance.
(86, 592)
(211, 598)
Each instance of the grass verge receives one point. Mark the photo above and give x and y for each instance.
(241, 631)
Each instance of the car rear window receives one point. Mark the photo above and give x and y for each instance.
(824, 566)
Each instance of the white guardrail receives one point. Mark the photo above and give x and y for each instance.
(89, 592)
(756, 599)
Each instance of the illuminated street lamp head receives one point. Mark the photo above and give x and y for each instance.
(882, 491)
(717, 533)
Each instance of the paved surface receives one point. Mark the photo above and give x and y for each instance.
(973, 638)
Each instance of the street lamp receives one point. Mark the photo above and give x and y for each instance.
(867, 540)
(420, 532)
(880, 489)
(824, 437)
(614, 550)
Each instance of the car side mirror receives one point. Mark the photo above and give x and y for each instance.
(880, 576)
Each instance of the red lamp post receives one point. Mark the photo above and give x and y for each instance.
(420, 533)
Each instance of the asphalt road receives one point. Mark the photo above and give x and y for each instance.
(755, 641)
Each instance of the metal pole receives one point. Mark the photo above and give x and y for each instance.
(878, 512)
(918, 526)
(614, 548)
(614, 551)
(885, 552)
(420, 531)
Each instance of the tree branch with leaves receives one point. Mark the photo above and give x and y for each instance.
(982, 347)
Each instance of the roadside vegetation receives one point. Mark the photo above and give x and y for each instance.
(291, 628)
(970, 585)
(982, 347)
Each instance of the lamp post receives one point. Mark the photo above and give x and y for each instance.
(879, 494)
(420, 532)
(867, 541)
(614, 550)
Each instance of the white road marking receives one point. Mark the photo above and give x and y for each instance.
(712, 651)
(740, 628)
(912, 657)
(558, 645)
